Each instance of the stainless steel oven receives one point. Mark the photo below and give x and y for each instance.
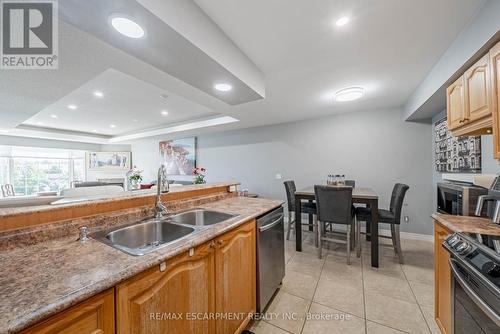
(476, 286)
(456, 198)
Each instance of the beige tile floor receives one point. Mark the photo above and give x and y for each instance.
(329, 296)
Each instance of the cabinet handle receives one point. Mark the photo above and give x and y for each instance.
(212, 244)
(466, 119)
(220, 243)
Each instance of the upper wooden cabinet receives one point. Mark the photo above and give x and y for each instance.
(477, 90)
(93, 316)
(455, 103)
(161, 299)
(468, 101)
(235, 272)
(495, 97)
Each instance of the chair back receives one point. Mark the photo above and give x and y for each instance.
(8, 190)
(334, 204)
(350, 183)
(397, 199)
(290, 194)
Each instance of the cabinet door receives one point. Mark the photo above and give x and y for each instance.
(235, 273)
(455, 104)
(495, 97)
(93, 316)
(442, 280)
(163, 302)
(477, 90)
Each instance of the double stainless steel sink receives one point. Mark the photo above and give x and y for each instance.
(147, 236)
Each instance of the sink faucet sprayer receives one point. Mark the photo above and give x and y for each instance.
(161, 187)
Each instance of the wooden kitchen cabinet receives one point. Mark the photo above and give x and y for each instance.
(161, 300)
(93, 316)
(442, 280)
(235, 272)
(468, 101)
(208, 291)
(477, 90)
(495, 97)
(455, 104)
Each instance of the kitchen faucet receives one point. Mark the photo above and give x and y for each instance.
(161, 187)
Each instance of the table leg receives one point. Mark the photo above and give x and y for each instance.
(368, 227)
(374, 232)
(311, 220)
(298, 225)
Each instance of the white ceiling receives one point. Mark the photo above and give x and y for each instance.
(128, 103)
(388, 47)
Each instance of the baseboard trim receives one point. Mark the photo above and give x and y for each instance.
(408, 235)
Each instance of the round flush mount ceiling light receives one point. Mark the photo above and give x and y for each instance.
(164, 113)
(342, 21)
(98, 93)
(72, 106)
(349, 94)
(126, 26)
(223, 87)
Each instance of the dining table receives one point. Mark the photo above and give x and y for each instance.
(365, 196)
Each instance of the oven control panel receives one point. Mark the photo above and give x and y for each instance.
(481, 258)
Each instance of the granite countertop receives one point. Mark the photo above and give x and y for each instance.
(40, 280)
(467, 224)
(13, 211)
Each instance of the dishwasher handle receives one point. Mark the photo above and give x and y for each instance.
(271, 225)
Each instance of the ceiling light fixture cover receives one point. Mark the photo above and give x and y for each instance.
(342, 21)
(127, 27)
(349, 94)
(223, 87)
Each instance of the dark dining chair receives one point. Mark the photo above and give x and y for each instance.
(309, 208)
(334, 206)
(391, 216)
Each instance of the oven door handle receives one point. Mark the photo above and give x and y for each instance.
(475, 298)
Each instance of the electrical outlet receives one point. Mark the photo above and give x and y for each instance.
(406, 219)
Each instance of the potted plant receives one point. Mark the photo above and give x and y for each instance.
(199, 174)
(135, 178)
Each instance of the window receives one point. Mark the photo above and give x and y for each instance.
(33, 170)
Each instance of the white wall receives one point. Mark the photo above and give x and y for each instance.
(375, 148)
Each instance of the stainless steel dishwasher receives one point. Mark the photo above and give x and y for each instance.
(271, 256)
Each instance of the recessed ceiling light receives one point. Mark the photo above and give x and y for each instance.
(223, 87)
(54, 116)
(342, 21)
(349, 94)
(72, 106)
(40, 123)
(164, 112)
(135, 120)
(112, 126)
(98, 93)
(127, 27)
(95, 130)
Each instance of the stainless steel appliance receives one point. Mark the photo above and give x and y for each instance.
(476, 285)
(493, 200)
(271, 256)
(456, 198)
